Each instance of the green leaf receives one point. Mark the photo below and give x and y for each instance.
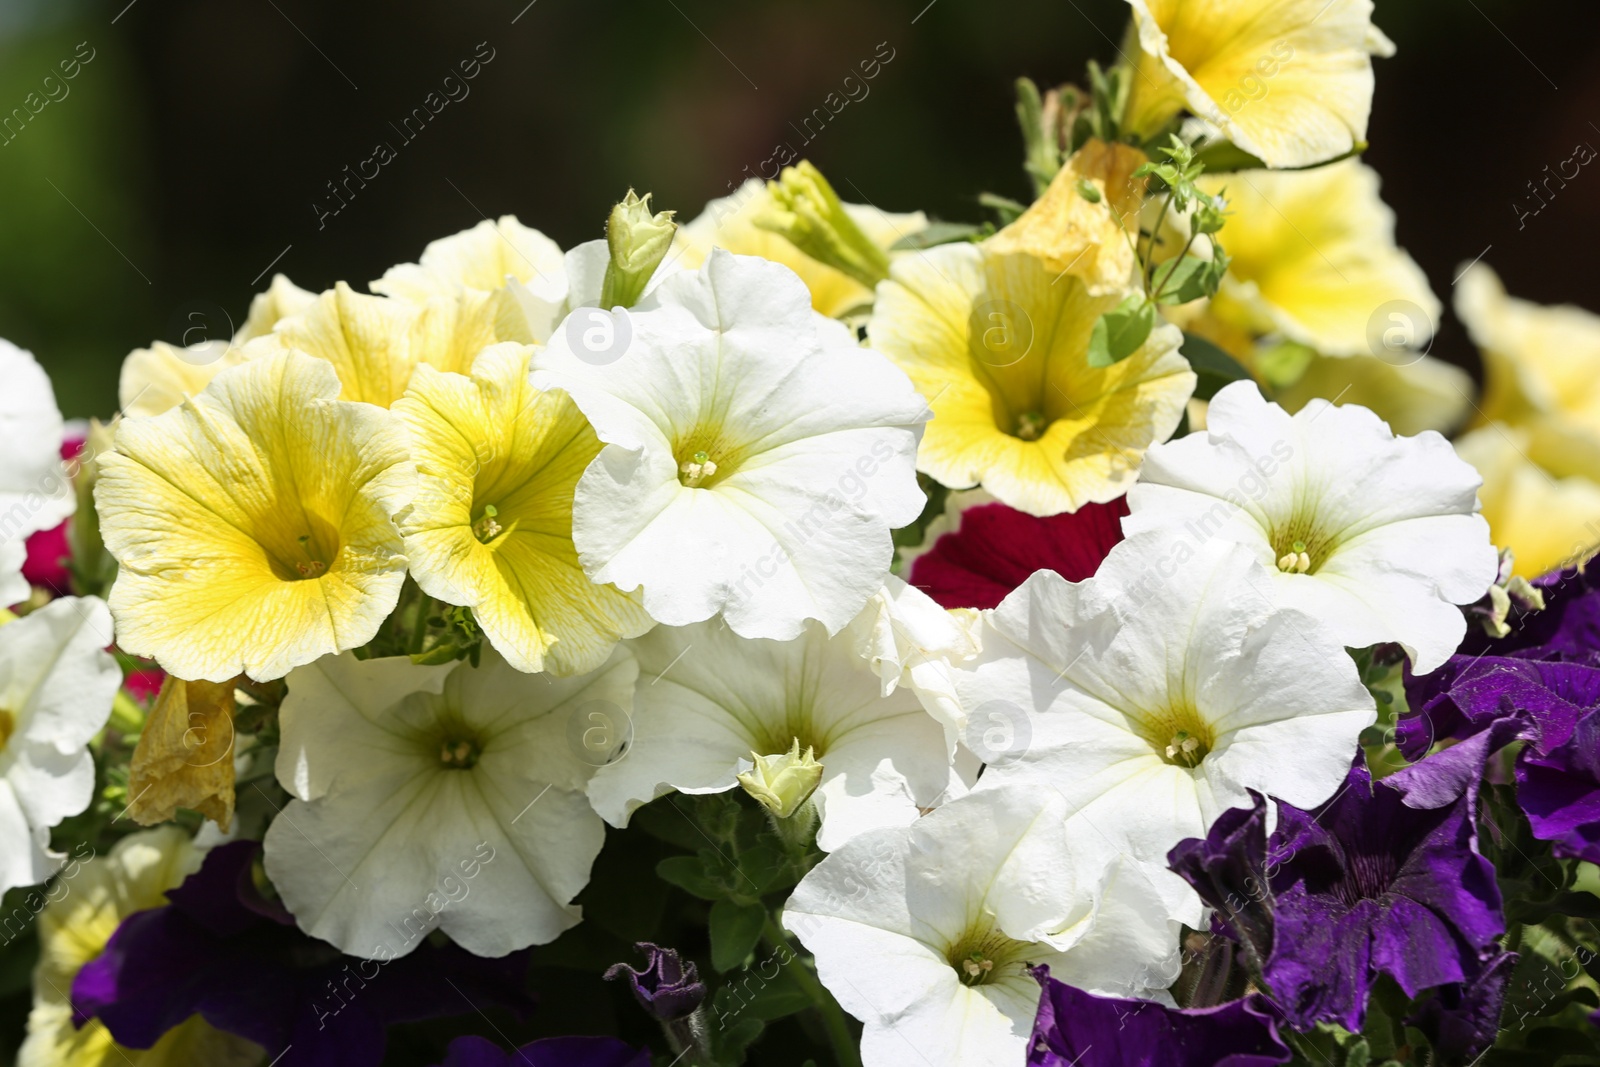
(1214, 367)
(689, 874)
(1189, 278)
(944, 233)
(735, 929)
(1119, 332)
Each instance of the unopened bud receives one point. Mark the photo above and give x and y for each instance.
(808, 214)
(783, 783)
(639, 241)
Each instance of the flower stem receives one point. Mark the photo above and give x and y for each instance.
(845, 1051)
(419, 622)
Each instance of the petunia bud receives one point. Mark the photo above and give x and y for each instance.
(807, 212)
(782, 784)
(639, 240)
(669, 987)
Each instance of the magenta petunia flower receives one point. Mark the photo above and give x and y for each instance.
(977, 555)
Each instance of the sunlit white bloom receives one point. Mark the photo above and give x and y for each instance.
(755, 463)
(709, 701)
(1152, 696)
(56, 687)
(1377, 536)
(447, 797)
(924, 933)
(911, 641)
(34, 493)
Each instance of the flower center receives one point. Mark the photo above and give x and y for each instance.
(705, 457)
(984, 956)
(1299, 547)
(303, 548)
(697, 469)
(487, 527)
(1180, 737)
(460, 753)
(310, 564)
(1031, 425)
(1367, 877)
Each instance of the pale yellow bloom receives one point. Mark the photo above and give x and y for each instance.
(1540, 495)
(158, 378)
(1315, 259)
(999, 346)
(282, 299)
(1289, 81)
(376, 342)
(481, 258)
(89, 899)
(1541, 363)
(491, 527)
(729, 223)
(252, 523)
(1429, 394)
(1089, 239)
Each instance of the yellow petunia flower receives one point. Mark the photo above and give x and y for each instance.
(158, 378)
(282, 299)
(491, 526)
(1540, 363)
(481, 258)
(1540, 494)
(729, 223)
(252, 523)
(376, 342)
(999, 346)
(1314, 258)
(1087, 238)
(86, 904)
(1289, 81)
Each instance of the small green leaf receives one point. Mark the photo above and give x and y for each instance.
(943, 233)
(1214, 367)
(735, 929)
(1119, 332)
(1189, 278)
(689, 874)
(1087, 190)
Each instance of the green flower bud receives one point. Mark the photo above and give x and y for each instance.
(782, 784)
(807, 212)
(639, 241)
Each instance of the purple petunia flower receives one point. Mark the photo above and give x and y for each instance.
(1362, 886)
(1079, 1029)
(221, 950)
(1559, 791)
(549, 1052)
(669, 987)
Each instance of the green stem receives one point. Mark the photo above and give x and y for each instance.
(846, 1053)
(1173, 269)
(1150, 246)
(419, 622)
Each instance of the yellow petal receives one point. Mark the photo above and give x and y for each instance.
(1314, 258)
(1070, 234)
(729, 223)
(480, 258)
(999, 345)
(184, 758)
(1547, 516)
(158, 378)
(282, 299)
(492, 441)
(1539, 362)
(1289, 81)
(252, 524)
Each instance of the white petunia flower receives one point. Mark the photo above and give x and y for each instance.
(1155, 694)
(755, 463)
(925, 933)
(447, 797)
(34, 492)
(710, 699)
(57, 683)
(1376, 535)
(911, 641)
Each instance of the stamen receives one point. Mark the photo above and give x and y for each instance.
(486, 529)
(697, 470)
(1031, 425)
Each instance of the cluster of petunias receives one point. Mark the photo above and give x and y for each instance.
(994, 627)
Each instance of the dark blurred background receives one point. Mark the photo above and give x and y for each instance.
(194, 147)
